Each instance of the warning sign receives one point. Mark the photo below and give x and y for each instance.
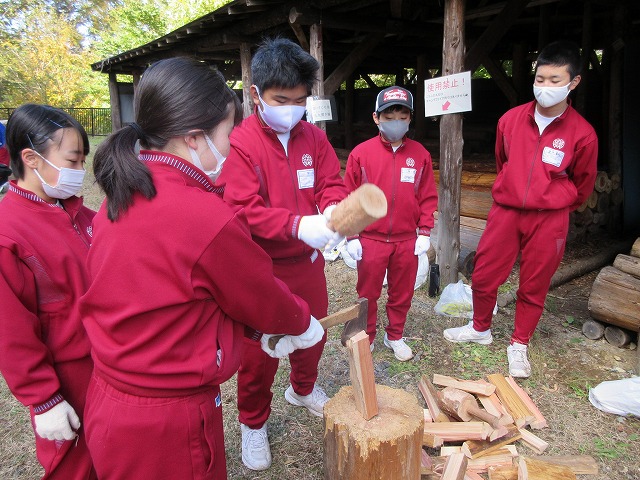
(450, 94)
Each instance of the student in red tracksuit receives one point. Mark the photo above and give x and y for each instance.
(282, 170)
(175, 282)
(402, 168)
(546, 157)
(45, 235)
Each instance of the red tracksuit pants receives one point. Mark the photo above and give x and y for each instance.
(155, 438)
(304, 277)
(401, 265)
(540, 238)
(70, 459)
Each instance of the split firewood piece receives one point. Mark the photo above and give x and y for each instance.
(533, 441)
(430, 395)
(455, 467)
(502, 456)
(467, 386)
(471, 475)
(540, 421)
(361, 373)
(515, 406)
(503, 472)
(478, 448)
(492, 405)
(459, 431)
(532, 469)
(426, 463)
(427, 415)
(431, 440)
(579, 464)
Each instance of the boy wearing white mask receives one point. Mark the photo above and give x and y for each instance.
(44, 242)
(283, 171)
(402, 168)
(546, 158)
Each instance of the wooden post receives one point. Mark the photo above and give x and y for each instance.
(388, 446)
(116, 120)
(615, 89)
(418, 111)
(315, 49)
(245, 65)
(451, 142)
(581, 94)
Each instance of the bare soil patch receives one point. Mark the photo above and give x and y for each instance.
(565, 365)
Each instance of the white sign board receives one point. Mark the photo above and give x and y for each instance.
(450, 94)
(319, 109)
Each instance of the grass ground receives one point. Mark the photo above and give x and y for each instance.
(565, 365)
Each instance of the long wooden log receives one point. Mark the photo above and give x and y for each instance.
(593, 330)
(628, 264)
(635, 248)
(472, 179)
(576, 269)
(614, 299)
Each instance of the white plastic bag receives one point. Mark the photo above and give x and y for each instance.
(456, 300)
(620, 397)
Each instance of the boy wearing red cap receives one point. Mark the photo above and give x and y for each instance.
(402, 168)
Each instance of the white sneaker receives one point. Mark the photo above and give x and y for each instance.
(519, 365)
(314, 402)
(401, 350)
(467, 333)
(256, 453)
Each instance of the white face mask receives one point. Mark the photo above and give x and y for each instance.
(393, 130)
(550, 96)
(69, 181)
(282, 118)
(212, 174)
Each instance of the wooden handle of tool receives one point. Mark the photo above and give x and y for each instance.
(341, 316)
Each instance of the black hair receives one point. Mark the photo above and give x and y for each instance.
(174, 96)
(559, 54)
(279, 62)
(35, 126)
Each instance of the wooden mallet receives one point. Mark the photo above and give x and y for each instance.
(361, 208)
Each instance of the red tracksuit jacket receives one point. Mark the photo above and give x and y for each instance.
(551, 171)
(406, 178)
(43, 249)
(174, 282)
(277, 190)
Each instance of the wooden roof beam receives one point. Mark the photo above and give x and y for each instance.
(351, 62)
(492, 35)
(297, 28)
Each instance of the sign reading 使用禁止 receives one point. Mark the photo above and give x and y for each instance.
(450, 94)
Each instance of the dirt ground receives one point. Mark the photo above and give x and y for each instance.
(565, 365)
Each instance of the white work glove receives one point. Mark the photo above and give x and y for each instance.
(422, 245)
(313, 231)
(328, 211)
(58, 423)
(290, 343)
(354, 249)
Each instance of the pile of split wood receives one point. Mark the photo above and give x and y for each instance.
(474, 440)
(614, 300)
(602, 210)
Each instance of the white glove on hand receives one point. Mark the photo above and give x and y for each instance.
(313, 231)
(58, 423)
(290, 343)
(354, 249)
(422, 245)
(328, 211)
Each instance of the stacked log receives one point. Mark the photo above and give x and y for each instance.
(601, 211)
(614, 299)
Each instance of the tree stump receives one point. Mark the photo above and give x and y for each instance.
(387, 447)
(593, 330)
(617, 336)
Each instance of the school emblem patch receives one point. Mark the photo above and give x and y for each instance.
(410, 162)
(307, 161)
(558, 143)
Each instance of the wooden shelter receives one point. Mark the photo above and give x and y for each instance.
(412, 40)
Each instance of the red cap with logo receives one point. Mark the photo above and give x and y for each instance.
(394, 96)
